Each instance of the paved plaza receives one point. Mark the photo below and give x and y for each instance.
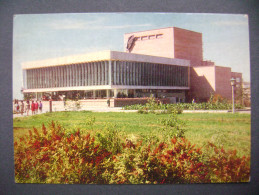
(58, 108)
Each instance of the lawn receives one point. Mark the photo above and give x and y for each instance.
(229, 130)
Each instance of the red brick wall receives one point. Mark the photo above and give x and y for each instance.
(188, 45)
(223, 76)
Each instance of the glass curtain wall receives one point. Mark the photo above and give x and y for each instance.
(148, 74)
(97, 73)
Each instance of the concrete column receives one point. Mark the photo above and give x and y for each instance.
(107, 93)
(115, 73)
(115, 93)
(110, 73)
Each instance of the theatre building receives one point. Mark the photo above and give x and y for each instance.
(108, 74)
(164, 63)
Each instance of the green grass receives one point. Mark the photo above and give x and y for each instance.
(229, 130)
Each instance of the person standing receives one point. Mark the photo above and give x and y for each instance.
(108, 102)
(40, 107)
(32, 108)
(16, 105)
(22, 107)
(27, 107)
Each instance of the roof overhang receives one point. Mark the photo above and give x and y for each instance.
(104, 56)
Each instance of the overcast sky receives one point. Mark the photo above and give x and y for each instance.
(41, 36)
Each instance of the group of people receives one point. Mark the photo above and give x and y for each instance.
(22, 107)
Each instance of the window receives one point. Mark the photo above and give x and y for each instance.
(159, 36)
(144, 38)
(238, 80)
(151, 37)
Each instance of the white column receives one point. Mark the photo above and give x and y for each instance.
(110, 73)
(107, 93)
(115, 93)
(115, 73)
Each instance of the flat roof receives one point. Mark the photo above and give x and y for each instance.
(162, 29)
(103, 56)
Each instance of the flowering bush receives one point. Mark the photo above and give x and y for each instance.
(175, 162)
(52, 156)
(226, 166)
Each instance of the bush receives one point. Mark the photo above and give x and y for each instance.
(173, 127)
(53, 156)
(215, 103)
(175, 162)
(110, 138)
(225, 166)
(143, 111)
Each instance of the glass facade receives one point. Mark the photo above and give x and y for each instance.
(106, 73)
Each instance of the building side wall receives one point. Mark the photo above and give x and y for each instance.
(202, 82)
(237, 76)
(158, 42)
(223, 86)
(188, 45)
(238, 83)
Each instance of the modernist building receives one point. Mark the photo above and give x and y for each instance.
(108, 74)
(164, 62)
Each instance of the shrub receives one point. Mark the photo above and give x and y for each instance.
(110, 138)
(143, 111)
(173, 127)
(226, 166)
(52, 157)
(179, 107)
(90, 122)
(175, 162)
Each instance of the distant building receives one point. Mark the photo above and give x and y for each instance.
(164, 63)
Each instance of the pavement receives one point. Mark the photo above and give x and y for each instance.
(93, 109)
(119, 109)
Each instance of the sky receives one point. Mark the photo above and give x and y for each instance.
(43, 36)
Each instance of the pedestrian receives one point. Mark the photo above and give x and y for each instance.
(32, 108)
(108, 102)
(16, 106)
(64, 100)
(193, 101)
(36, 107)
(22, 107)
(40, 107)
(27, 107)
